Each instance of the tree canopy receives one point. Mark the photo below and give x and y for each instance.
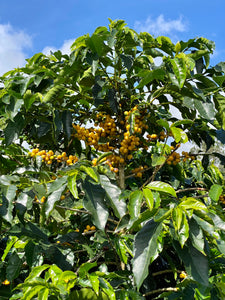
(97, 200)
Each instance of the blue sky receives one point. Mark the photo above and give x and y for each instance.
(28, 27)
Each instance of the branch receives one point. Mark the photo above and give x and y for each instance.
(191, 189)
(169, 289)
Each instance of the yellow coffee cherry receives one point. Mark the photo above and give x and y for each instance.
(6, 282)
(92, 228)
(43, 199)
(183, 275)
(62, 197)
(88, 227)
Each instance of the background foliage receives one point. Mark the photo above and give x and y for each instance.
(97, 201)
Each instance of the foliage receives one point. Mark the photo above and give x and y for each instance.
(97, 200)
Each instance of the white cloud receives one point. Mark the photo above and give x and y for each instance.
(12, 47)
(161, 26)
(65, 48)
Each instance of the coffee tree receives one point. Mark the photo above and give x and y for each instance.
(98, 199)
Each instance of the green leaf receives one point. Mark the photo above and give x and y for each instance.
(127, 60)
(121, 249)
(14, 266)
(157, 159)
(179, 69)
(43, 294)
(215, 192)
(134, 205)
(206, 110)
(72, 185)
(90, 172)
(191, 203)
(54, 272)
(54, 93)
(8, 196)
(94, 202)
(96, 44)
(87, 294)
(148, 197)
(30, 293)
(107, 288)
(36, 272)
(113, 194)
(85, 267)
(196, 236)
(162, 214)
(11, 241)
(180, 224)
(13, 129)
(196, 264)
(145, 250)
(179, 135)
(52, 199)
(162, 187)
(149, 76)
(67, 122)
(94, 283)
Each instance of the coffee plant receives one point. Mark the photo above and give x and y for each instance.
(99, 196)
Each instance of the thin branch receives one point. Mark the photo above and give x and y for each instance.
(169, 289)
(191, 189)
(166, 271)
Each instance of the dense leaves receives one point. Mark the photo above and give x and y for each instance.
(98, 197)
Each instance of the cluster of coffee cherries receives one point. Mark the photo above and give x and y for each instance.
(222, 199)
(89, 228)
(161, 136)
(48, 157)
(175, 157)
(138, 172)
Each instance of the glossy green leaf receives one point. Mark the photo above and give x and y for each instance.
(67, 122)
(54, 272)
(36, 272)
(162, 187)
(149, 76)
(85, 267)
(87, 294)
(162, 214)
(8, 196)
(13, 129)
(145, 250)
(215, 192)
(196, 264)
(90, 172)
(179, 69)
(72, 185)
(107, 288)
(206, 110)
(134, 205)
(13, 267)
(11, 241)
(113, 194)
(121, 249)
(94, 202)
(148, 198)
(52, 199)
(196, 236)
(179, 135)
(191, 203)
(94, 283)
(43, 294)
(157, 159)
(29, 294)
